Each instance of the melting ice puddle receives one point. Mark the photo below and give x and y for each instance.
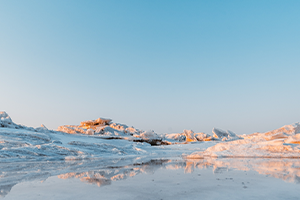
(157, 179)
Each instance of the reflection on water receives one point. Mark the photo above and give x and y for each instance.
(285, 169)
(104, 177)
(104, 172)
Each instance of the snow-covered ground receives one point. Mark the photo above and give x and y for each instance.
(102, 138)
(92, 139)
(28, 153)
(280, 143)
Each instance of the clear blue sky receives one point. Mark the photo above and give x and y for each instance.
(161, 65)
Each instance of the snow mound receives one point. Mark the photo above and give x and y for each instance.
(280, 143)
(22, 144)
(281, 133)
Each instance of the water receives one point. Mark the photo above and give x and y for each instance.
(153, 179)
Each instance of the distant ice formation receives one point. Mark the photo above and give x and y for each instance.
(105, 127)
(100, 126)
(224, 135)
(188, 136)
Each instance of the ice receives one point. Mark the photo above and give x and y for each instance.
(148, 135)
(105, 128)
(224, 135)
(101, 127)
(105, 172)
(124, 151)
(90, 140)
(5, 120)
(279, 143)
(43, 128)
(103, 138)
(18, 142)
(97, 122)
(17, 172)
(190, 136)
(187, 136)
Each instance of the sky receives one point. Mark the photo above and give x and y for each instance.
(156, 65)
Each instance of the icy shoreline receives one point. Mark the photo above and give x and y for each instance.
(103, 172)
(101, 138)
(100, 151)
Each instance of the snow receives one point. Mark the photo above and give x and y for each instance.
(92, 139)
(79, 150)
(102, 138)
(5, 120)
(279, 143)
(148, 135)
(100, 126)
(187, 136)
(224, 135)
